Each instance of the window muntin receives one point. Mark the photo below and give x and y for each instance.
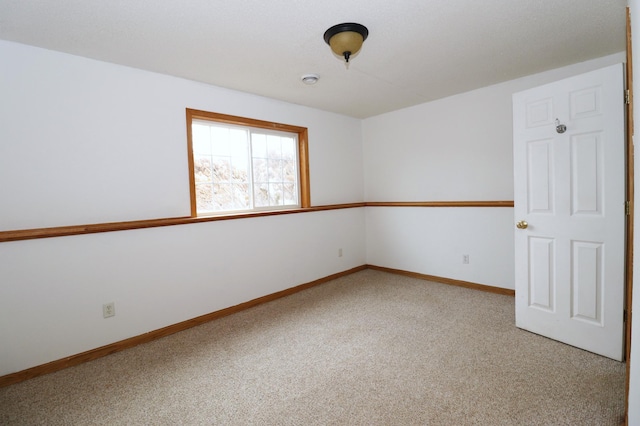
(243, 168)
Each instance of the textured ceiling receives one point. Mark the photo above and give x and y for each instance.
(417, 50)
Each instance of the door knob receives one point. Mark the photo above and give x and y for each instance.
(522, 224)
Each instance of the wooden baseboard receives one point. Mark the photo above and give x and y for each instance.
(442, 280)
(92, 354)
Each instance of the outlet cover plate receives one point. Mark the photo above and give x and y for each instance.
(108, 310)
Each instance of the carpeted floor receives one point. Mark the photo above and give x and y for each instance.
(367, 349)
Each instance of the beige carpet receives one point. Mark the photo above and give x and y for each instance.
(368, 349)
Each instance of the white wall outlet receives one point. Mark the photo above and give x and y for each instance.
(109, 310)
(339, 252)
(465, 259)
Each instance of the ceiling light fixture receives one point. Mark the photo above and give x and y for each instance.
(346, 39)
(310, 79)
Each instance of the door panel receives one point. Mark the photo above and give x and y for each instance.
(539, 112)
(569, 188)
(539, 176)
(585, 103)
(586, 283)
(542, 276)
(586, 174)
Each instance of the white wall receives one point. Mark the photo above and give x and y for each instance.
(53, 289)
(433, 241)
(454, 149)
(85, 141)
(82, 141)
(634, 362)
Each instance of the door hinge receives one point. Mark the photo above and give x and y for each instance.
(627, 208)
(627, 97)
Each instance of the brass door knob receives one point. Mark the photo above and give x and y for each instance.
(522, 224)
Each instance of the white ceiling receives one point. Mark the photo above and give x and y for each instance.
(417, 50)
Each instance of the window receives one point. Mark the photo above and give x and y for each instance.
(244, 165)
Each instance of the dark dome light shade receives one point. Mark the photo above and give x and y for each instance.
(346, 39)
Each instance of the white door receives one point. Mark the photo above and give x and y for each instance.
(570, 210)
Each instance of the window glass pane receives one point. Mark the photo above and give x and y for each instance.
(289, 172)
(238, 138)
(290, 194)
(240, 164)
(289, 148)
(275, 177)
(260, 171)
(231, 196)
(223, 196)
(202, 169)
(274, 146)
(220, 141)
(221, 169)
(240, 196)
(259, 145)
(275, 170)
(228, 169)
(204, 197)
(276, 194)
(261, 194)
(201, 139)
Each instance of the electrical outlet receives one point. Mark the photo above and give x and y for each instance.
(108, 310)
(465, 259)
(339, 252)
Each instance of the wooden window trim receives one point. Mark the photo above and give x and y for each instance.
(303, 150)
